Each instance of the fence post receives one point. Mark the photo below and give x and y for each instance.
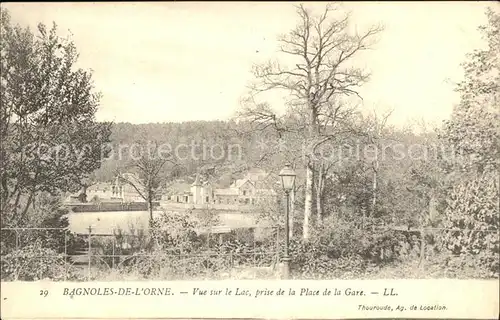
(254, 250)
(65, 255)
(422, 248)
(113, 253)
(277, 248)
(89, 253)
(17, 239)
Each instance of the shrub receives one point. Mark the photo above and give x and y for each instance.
(473, 212)
(34, 262)
(47, 223)
(176, 231)
(162, 265)
(341, 249)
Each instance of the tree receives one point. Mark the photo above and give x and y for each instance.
(337, 128)
(209, 218)
(323, 49)
(147, 176)
(86, 183)
(375, 138)
(473, 133)
(50, 138)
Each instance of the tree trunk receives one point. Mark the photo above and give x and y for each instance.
(319, 195)
(433, 213)
(5, 194)
(84, 194)
(155, 243)
(309, 190)
(308, 202)
(29, 202)
(150, 210)
(292, 212)
(374, 187)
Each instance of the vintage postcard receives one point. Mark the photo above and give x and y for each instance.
(250, 160)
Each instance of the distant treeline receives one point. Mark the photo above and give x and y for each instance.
(202, 134)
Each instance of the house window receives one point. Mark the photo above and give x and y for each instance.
(207, 199)
(186, 199)
(247, 201)
(244, 192)
(178, 199)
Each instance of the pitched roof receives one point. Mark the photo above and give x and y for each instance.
(240, 182)
(226, 192)
(130, 177)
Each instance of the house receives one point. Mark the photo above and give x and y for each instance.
(113, 191)
(249, 190)
(116, 191)
(196, 193)
(253, 187)
(100, 190)
(123, 188)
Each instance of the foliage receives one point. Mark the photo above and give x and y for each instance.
(46, 223)
(209, 218)
(217, 261)
(439, 267)
(474, 130)
(176, 231)
(168, 136)
(473, 212)
(47, 103)
(316, 72)
(33, 262)
(172, 233)
(342, 249)
(473, 134)
(50, 139)
(147, 177)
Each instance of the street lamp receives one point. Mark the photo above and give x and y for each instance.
(287, 176)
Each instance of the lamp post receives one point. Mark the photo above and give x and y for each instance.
(287, 176)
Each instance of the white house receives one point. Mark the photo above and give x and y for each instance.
(246, 191)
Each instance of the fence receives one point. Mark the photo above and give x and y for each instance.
(29, 252)
(32, 253)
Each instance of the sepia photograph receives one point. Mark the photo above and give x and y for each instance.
(162, 141)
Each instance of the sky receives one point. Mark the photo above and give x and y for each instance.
(182, 61)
